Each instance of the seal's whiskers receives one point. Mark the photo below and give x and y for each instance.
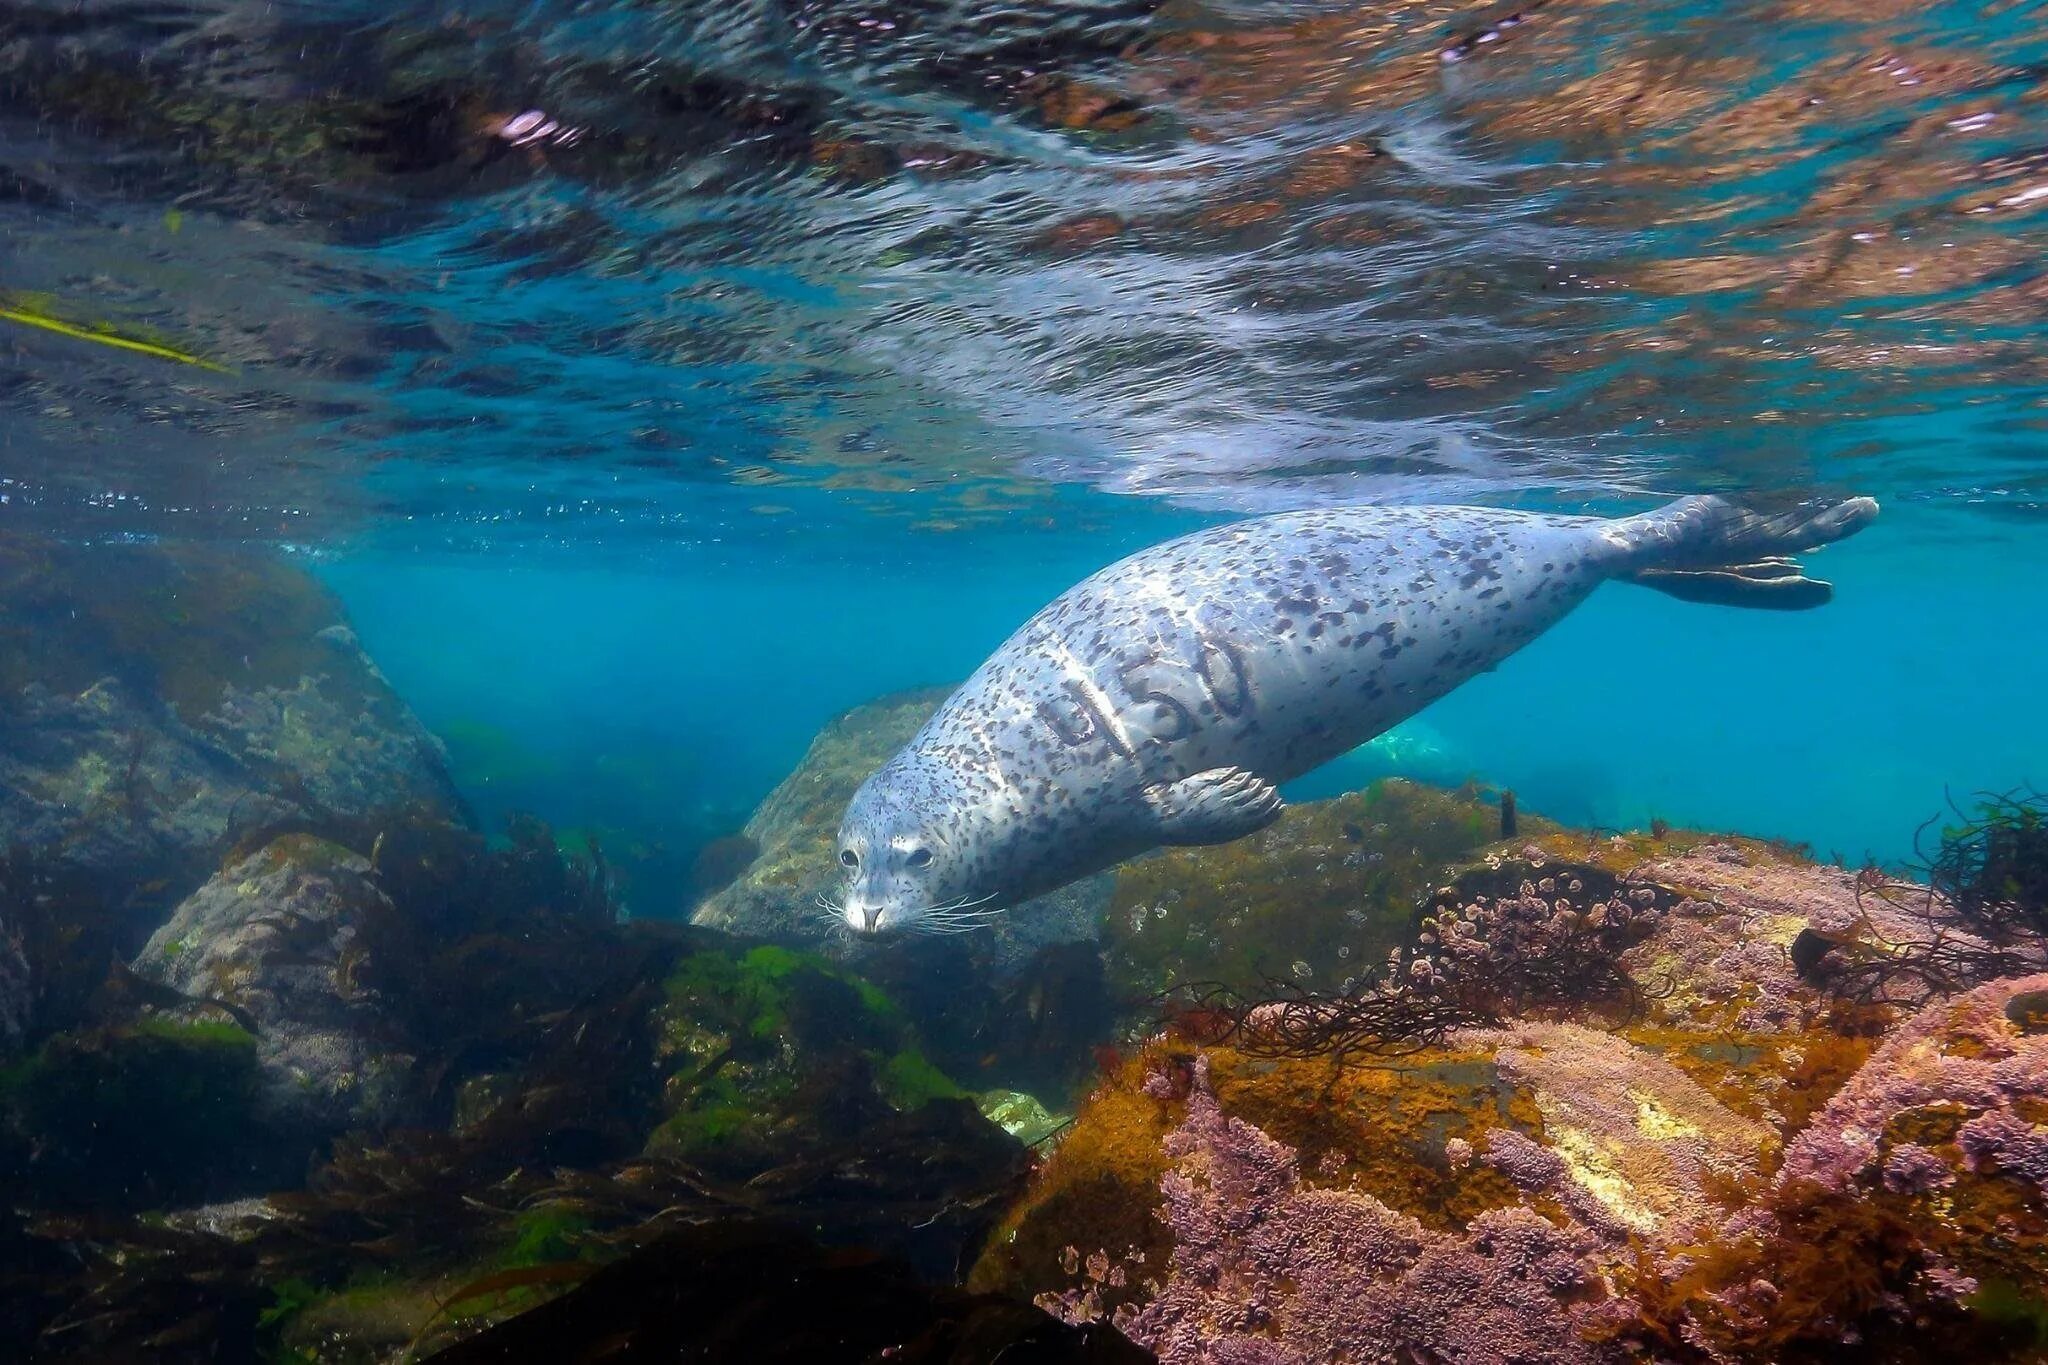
(962, 916)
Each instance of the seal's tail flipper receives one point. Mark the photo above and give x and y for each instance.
(1708, 549)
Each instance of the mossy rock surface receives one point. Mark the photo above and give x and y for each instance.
(154, 1112)
(769, 1050)
(1382, 1128)
(284, 934)
(1742, 1167)
(156, 702)
(1316, 900)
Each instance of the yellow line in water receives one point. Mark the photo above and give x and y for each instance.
(106, 338)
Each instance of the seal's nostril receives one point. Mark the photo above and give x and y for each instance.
(870, 916)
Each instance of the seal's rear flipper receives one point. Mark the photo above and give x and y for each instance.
(1774, 584)
(1213, 807)
(1711, 550)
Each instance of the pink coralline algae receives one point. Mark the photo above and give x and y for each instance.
(1706, 961)
(1965, 1053)
(1913, 1169)
(1645, 1143)
(1268, 1272)
(1533, 1168)
(1765, 887)
(2006, 1144)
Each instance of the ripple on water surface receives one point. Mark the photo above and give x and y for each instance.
(535, 266)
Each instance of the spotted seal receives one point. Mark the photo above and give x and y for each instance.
(1162, 700)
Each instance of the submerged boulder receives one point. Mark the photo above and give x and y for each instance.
(792, 836)
(154, 1111)
(157, 701)
(786, 1071)
(1613, 1111)
(282, 937)
(1316, 900)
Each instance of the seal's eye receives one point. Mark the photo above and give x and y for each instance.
(918, 857)
(849, 857)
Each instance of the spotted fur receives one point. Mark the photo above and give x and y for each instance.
(1268, 647)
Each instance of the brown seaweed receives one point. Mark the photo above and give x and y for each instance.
(1973, 910)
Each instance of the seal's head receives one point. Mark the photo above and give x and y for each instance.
(902, 856)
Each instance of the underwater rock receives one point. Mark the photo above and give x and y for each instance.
(527, 1081)
(1387, 1129)
(1637, 1143)
(1968, 1075)
(1267, 1269)
(1036, 1028)
(1020, 1115)
(794, 831)
(1721, 933)
(157, 702)
(1316, 900)
(1697, 1155)
(130, 1115)
(1911, 1213)
(750, 1292)
(279, 935)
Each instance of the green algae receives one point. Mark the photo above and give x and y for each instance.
(288, 1299)
(544, 1236)
(165, 1101)
(376, 1312)
(194, 1033)
(908, 1080)
(759, 1040)
(1317, 900)
(718, 1111)
(2020, 1313)
(761, 986)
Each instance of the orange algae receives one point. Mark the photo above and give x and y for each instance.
(1677, 1140)
(1098, 1190)
(1385, 1129)
(1779, 1078)
(1382, 1129)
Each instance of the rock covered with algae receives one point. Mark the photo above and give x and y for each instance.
(755, 1045)
(1709, 1150)
(1317, 899)
(157, 701)
(281, 935)
(147, 1110)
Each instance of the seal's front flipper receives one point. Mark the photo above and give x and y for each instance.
(1213, 807)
